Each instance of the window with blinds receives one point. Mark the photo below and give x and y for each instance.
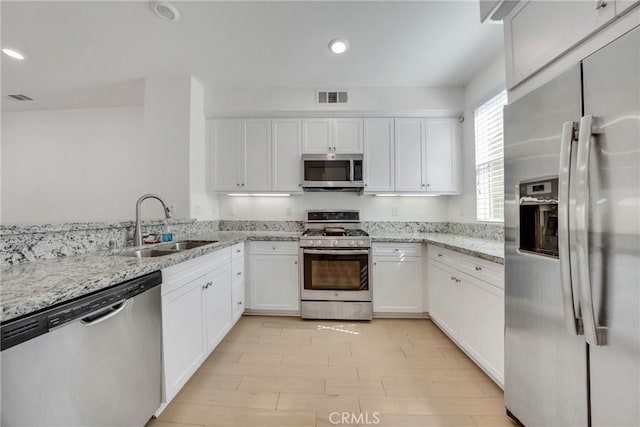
(489, 159)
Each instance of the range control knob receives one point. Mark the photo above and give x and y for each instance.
(319, 242)
(352, 243)
(361, 243)
(312, 242)
(334, 243)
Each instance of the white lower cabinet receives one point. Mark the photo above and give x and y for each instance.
(237, 281)
(466, 300)
(397, 278)
(196, 315)
(273, 278)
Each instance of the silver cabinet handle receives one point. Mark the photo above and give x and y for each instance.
(601, 4)
(594, 334)
(569, 132)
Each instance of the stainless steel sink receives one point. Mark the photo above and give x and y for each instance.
(167, 249)
(148, 253)
(186, 245)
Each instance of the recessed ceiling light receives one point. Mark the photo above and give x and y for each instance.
(165, 10)
(338, 46)
(12, 53)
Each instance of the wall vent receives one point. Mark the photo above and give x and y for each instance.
(20, 97)
(332, 97)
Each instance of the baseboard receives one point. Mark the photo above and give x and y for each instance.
(400, 315)
(288, 313)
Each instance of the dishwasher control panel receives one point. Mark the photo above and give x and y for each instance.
(32, 325)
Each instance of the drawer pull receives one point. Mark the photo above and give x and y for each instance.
(239, 273)
(600, 4)
(453, 278)
(439, 255)
(274, 248)
(478, 268)
(397, 250)
(295, 262)
(239, 302)
(238, 251)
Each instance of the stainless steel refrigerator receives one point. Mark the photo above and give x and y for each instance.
(572, 245)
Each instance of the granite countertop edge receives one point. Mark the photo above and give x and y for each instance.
(34, 286)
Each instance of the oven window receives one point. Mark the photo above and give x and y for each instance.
(336, 272)
(323, 170)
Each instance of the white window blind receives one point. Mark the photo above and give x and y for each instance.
(489, 159)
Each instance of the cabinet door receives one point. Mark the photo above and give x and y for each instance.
(409, 156)
(287, 149)
(481, 327)
(347, 136)
(378, 155)
(537, 33)
(397, 285)
(183, 348)
(256, 155)
(317, 137)
(442, 151)
(225, 141)
(443, 297)
(237, 288)
(217, 306)
(274, 282)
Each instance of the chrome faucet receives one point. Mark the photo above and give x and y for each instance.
(137, 234)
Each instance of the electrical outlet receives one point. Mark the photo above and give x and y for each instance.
(395, 211)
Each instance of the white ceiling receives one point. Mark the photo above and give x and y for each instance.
(90, 53)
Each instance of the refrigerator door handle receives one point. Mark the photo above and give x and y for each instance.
(573, 324)
(594, 334)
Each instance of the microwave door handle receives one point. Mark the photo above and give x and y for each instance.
(351, 170)
(593, 334)
(569, 130)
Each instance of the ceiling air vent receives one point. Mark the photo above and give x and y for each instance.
(20, 97)
(332, 97)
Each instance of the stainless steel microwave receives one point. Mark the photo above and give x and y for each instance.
(332, 172)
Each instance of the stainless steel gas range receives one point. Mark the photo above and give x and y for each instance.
(335, 267)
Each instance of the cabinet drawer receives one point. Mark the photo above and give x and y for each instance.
(397, 249)
(179, 275)
(237, 270)
(488, 271)
(274, 248)
(237, 250)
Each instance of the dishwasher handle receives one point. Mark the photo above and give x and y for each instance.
(104, 313)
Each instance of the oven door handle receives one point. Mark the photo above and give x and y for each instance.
(336, 251)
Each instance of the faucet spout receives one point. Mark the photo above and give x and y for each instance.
(137, 234)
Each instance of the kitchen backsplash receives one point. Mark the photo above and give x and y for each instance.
(23, 243)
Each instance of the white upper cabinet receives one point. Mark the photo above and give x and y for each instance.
(225, 138)
(538, 32)
(347, 136)
(287, 149)
(379, 156)
(442, 155)
(427, 155)
(408, 154)
(317, 137)
(321, 136)
(240, 155)
(256, 155)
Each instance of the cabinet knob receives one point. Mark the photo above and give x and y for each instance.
(397, 250)
(601, 4)
(239, 302)
(209, 284)
(239, 273)
(237, 184)
(428, 185)
(423, 185)
(453, 278)
(242, 185)
(295, 262)
(439, 255)
(375, 263)
(366, 185)
(274, 248)
(238, 251)
(478, 268)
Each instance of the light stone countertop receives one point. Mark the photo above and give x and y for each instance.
(491, 250)
(32, 286)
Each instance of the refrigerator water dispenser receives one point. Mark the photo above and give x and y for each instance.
(539, 217)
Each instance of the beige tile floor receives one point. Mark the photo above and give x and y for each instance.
(284, 371)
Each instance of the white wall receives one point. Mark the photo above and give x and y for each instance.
(222, 102)
(486, 84)
(71, 165)
(372, 208)
(174, 133)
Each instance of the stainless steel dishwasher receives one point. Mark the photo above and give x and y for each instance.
(93, 361)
